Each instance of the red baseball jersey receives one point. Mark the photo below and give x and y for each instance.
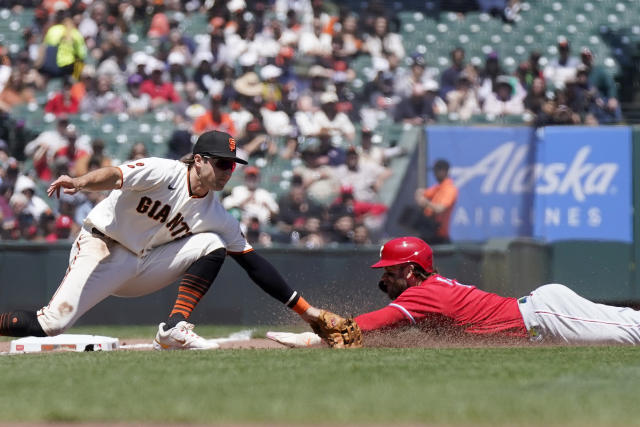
(446, 303)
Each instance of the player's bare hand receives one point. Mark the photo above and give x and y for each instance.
(66, 183)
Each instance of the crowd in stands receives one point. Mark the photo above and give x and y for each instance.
(277, 75)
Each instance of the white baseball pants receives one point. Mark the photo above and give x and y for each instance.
(100, 267)
(555, 313)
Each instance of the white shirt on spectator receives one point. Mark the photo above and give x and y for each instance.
(240, 119)
(559, 74)
(494, 106)
(88, 28)
(391, 42)
(340, 126)
(257, 204)
(310, 44)
(362, 180)
(49, 142)
(306, 124)
(137, 105)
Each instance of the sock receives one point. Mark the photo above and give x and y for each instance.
(194, 284)
(20, 323)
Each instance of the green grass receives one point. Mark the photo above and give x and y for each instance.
(493, 386)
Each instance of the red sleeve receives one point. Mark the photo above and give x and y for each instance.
(147, 87)
(173, 95)
(385, 317)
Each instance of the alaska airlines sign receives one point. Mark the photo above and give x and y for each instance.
(559, 183)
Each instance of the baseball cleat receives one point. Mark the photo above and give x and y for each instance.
(305, 339)
(181, 337)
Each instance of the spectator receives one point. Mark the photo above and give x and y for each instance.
(87, 80)
(159, 26)
(420, 108)
(43, 148)
(24, 225)
(599, 78)
(102, 99)
(63, 48)
(252, 201)
(191, 107)
(503, 101)
(382, 41)
(342, 230)
(488, 76)
(372, 150)
(95, 160)
(562, 68)
(351, 39)
(57, 229)
(450, 76)
(463, 100)
(77, 158)
(30, 76)
(177, 61)
(437, 203)
(311, 234)
(161, 92)
(116, 65)
(347, 102)
(89, 27)
(295, 208)
(276, 123)
(203, 75)
(63, 102)
(332, 123)
(35, 205)
(318, 179)
(138, 151)
(418, 74)
(214, 119)
(135, 101)
(271, 91)
(318, 76)
(304, 116)
(15, 92)
(536, 97)
(365, 178)
(315, 43)
(361, 235)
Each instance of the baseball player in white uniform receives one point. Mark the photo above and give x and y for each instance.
(161, 222)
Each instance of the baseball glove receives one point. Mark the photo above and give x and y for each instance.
(337, 331)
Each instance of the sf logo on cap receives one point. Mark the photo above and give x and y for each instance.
(232, 144)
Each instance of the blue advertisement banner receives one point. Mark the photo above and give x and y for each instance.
(555, 183)
(585, 186)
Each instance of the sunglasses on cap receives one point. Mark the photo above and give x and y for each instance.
(222, 164)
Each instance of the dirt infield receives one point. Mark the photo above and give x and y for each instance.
(397, 338)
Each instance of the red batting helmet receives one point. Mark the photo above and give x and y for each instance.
(403, 250)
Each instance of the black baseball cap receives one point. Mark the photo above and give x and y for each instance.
(217, 144)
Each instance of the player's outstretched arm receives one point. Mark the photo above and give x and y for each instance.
(332, 328)
(108, 178)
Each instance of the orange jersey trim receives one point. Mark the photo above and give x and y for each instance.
(121, 179)
(240, 253)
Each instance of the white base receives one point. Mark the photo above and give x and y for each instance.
(64, 342)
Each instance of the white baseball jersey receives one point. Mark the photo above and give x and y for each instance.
(155, 206)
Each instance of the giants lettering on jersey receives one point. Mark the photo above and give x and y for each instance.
(176, 225)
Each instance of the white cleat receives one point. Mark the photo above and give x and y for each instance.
(305, 339)
(181, 337)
